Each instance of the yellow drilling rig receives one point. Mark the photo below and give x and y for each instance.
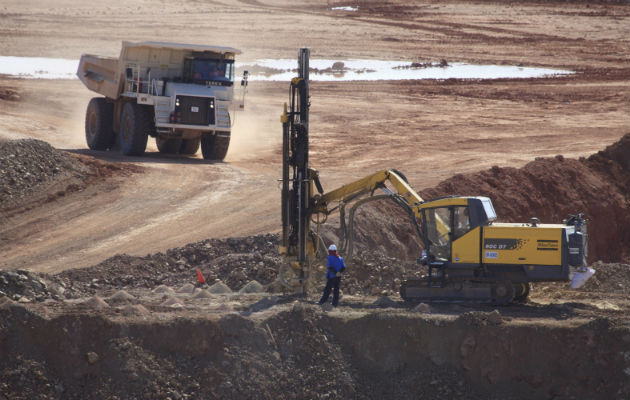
(468, 256)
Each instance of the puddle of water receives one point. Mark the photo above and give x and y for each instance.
(322, 70)
(345, 8)
(38, 67)
(374, 70)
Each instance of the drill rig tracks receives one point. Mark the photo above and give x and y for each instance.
(478, 290)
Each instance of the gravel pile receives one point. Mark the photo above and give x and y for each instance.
(33, 173)
(28, 166)
(234, 263)
(24, 286)
(245, 265)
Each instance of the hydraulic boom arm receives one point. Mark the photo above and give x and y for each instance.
(369, 184)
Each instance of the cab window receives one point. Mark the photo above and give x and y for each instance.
(205, 70)
(438, 223)
(461, 221)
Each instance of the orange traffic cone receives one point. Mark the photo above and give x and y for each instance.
(200, 279)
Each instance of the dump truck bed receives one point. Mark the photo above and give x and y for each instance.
(106, 75)
(101, 75)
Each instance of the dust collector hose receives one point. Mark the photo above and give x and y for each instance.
(397, 199)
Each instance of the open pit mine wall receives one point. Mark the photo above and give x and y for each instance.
(357, 355)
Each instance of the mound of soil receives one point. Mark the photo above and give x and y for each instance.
(611, 278)
(32, 172)
(236, 263)
(547, 188)
(379, 226)
(553, 188)
(30, 166)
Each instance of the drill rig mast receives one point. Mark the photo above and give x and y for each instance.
(297, 178)
(303, 198)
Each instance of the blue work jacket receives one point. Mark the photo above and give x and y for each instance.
(334, 264)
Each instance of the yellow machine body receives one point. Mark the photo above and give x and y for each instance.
(522, 244)
(504, 243)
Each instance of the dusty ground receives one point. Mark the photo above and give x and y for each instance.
(430, 130)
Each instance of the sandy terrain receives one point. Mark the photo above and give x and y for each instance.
(430, 130)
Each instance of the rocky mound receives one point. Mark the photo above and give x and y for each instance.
(547, 188)
(229, 267)
(24, 286)
(33, 172)
(552, 188)
(28, 166)
(232, 262)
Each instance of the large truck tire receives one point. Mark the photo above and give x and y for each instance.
(136, 123)
(99, 120)
(168, 146)
(214, 147)
(190, 146)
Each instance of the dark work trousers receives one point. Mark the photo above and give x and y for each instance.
(330, 284)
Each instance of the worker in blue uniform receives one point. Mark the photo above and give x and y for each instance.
(335, 267)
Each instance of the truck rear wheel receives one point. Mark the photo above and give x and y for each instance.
(136, 122)
(214, 147)
(99, 119)
(190, 146)
(168, 146)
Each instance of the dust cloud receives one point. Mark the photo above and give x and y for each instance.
(257, 130)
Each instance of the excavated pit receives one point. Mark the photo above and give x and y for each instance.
(296, 351)
(151, 333)
(139, 327)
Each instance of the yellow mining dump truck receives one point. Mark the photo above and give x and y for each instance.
(181, 94)
(469, 256)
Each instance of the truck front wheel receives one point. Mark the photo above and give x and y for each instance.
(136, 122)
(214, 147)
(99, 119)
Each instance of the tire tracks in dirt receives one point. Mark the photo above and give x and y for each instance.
(150, 211)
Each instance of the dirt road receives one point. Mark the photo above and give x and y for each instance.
(428, 129)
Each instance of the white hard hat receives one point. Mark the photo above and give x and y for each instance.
(332, 247)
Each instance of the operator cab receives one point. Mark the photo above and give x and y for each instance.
(448, 219)
(209, 71)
